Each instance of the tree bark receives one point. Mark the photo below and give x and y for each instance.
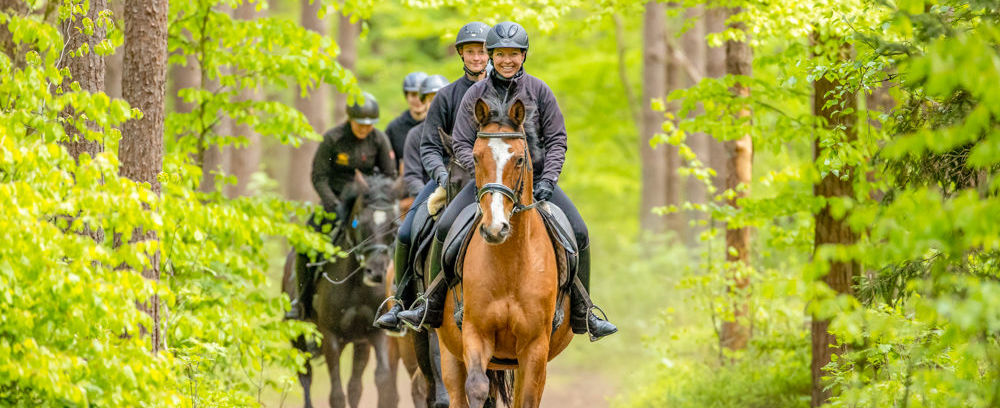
(16, 54)
(313, 106)
(244, 160)
(113, 62)
(715, 67)
(141, 148)
(694, 48)
(87, 70)
(654, 85)
(739, 166)
(830, 230)
(676, 79)
(347, 39)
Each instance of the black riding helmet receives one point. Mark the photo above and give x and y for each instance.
(474, 32)
(366, 113)
(432, 84)
(412, 81)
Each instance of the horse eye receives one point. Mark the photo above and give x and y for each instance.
(520, 161)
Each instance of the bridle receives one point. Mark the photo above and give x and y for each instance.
(499, 188)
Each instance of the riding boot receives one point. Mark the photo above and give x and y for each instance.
(430, 311)
(404, 289)
(304, 281)
(582, 317)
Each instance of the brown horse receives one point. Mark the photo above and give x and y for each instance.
(511, 279)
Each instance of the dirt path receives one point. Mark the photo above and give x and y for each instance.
(566, 387)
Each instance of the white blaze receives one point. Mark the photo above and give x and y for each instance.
(501, 155)
(380, 217)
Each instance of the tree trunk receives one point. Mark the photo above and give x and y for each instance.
(694, 47)
(244, 160)
(16, 54)
(313, 106)
(676, 79)
(113, 62)
(830, 230)
(654, 85)
(141, 148)
(739, 165)
(183, 77)
(87, 70)
(715, 67)
(347, 39)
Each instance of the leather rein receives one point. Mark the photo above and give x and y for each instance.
(499, 188)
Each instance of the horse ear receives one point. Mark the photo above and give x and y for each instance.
(359, 180)
(445, 141)
(516, 113)
(482, 111)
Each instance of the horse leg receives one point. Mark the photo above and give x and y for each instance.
(361, 352)
(532, 361)
(306, 379)
(436, 378)
(385, 378)
(453, 374)
(331, 351)
(478, 350)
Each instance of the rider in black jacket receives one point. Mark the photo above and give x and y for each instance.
(413, 115)
(354, 145)
(441, 115)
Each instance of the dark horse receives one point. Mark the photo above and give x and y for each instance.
(350, 289)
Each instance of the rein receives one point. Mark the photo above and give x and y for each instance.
(500, 188)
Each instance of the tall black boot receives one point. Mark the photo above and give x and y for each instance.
(582, 317)
(304, 282)
(430, 311)
(404, 289)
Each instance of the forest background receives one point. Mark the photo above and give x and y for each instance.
(850, 147)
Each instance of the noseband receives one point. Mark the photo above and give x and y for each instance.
(498, 188)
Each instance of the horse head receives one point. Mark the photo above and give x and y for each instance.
(371, 225)
(503, 166)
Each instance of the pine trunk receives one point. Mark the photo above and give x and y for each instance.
(141, 148)
(313, 106)
(654, 85)
(739, 165)
(244, 160)
(830, 230)
(347, 39)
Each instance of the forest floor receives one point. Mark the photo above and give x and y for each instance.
(568, 386)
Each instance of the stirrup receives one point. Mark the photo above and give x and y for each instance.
(400, 332)
(423, 318)
(605, 318)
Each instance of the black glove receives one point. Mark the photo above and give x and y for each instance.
(543, 190)
(442, 179)
(331, 206)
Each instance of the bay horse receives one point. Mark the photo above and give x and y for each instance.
(511, 278)
(350, 289)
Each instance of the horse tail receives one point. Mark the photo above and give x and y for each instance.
(501, 385)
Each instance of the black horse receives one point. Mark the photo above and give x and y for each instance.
(350, 289)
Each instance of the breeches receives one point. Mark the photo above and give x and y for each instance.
(406, 230)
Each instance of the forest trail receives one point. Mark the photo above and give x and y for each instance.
(568, 386)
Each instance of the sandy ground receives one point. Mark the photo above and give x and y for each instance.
(566, 387)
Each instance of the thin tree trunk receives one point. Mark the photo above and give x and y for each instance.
(184, 77)
(113, 62)
(736, 333)
(87, 70)
(694, 49)
(244, 160)
(621, 47)
(347, 39)
(676, 79)
(715, 22)
(141, 148)
(313, 106)
(654, 85)
(830, 230)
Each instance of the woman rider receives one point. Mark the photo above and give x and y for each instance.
(353, 145)
(416, 110)
(414, 176)
(441, 114)
(507, 44)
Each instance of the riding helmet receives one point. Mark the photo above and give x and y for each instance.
(432, 84)
(474, 32)
(412, 81)
(365, 114)
(507, 34)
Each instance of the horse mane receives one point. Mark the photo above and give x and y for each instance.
(498, 114)
(381, 189)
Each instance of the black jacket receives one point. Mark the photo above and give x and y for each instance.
(397, 130)
(441, 114)
(340, 153)
(549, 123)
(414, 176)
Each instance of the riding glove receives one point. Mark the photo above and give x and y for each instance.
(442, 178)
(543, 190)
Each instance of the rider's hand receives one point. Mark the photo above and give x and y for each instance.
(543, 190)
(436, 201)
(442, 178)
(331, 207)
